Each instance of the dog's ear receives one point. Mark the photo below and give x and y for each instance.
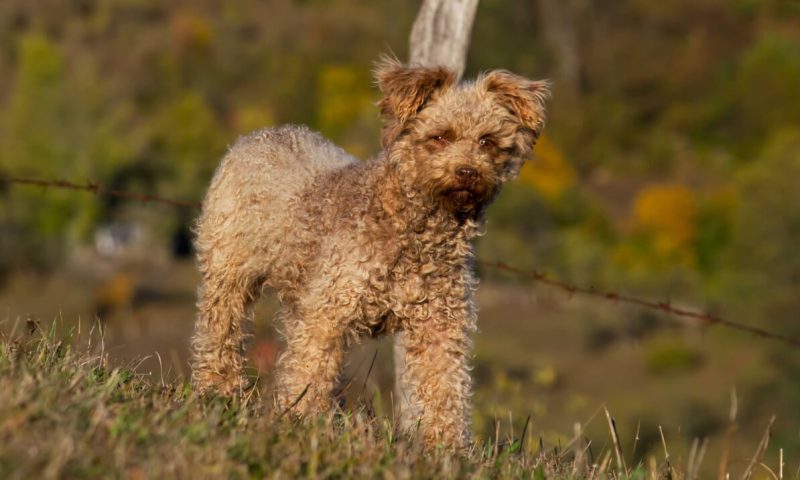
(405, 90)
(524, 98)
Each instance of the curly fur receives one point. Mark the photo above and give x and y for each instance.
(364, 248)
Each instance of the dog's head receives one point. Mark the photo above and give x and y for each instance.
(459, 142)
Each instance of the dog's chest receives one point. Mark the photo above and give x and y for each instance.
(407, 275)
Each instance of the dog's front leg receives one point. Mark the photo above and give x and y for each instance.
(309, 368)
(435, 378)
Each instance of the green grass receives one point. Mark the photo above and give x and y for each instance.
(65, 413)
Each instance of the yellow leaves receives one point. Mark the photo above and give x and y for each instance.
(344, 95)
(549, 173)
(345, 112)
(672, 225)
(667, 215)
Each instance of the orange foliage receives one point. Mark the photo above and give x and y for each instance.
(550, 174)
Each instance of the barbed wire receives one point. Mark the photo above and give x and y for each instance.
(663, 306)
(536, 276)
(97, 190)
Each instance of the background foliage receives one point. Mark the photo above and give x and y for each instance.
(669, 165)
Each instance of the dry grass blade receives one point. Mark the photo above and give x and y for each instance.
(759, 453)
(496, 438)
(693, 468)
(612, 427)
(652, 467)
(636, 439)
(296, 401)
(522, 436)
(691, 460)
(579, 463)
(722, 473)
(700, 457)
(369, 372)
(575, 439)
(605, 461)
(670, 473)
(347, 384)
(769, 470)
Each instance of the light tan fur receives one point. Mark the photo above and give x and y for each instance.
(358, 249)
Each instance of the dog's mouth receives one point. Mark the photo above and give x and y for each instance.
(466, 199)
(462, 196)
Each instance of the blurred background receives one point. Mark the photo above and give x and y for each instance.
(669, 169)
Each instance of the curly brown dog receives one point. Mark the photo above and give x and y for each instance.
(358, 248)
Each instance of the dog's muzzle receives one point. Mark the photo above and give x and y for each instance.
(467, 191)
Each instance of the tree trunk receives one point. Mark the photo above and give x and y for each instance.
(441, 32)
(560, 32)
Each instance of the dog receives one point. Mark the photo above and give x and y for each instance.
(357, 249)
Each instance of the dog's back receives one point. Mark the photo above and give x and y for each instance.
(305, 152)
(253, 195)
(278, 162)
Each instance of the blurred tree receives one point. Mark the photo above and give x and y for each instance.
(34, 136)
(187, 144)
(764, 253)
(758, 96)
(559, 30)
(60, 126)
(38, 140)
(763, 269)
(714, 228)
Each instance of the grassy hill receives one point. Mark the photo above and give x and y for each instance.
(65, 413)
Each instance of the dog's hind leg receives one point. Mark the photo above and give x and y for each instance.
(221, 330)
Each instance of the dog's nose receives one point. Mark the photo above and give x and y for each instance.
(466, 174)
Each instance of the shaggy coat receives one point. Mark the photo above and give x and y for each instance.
(358, 249)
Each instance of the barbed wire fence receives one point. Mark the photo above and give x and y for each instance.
(533, 275)
(97, 190)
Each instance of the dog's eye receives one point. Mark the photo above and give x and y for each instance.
(441, 139)
(486, 142)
